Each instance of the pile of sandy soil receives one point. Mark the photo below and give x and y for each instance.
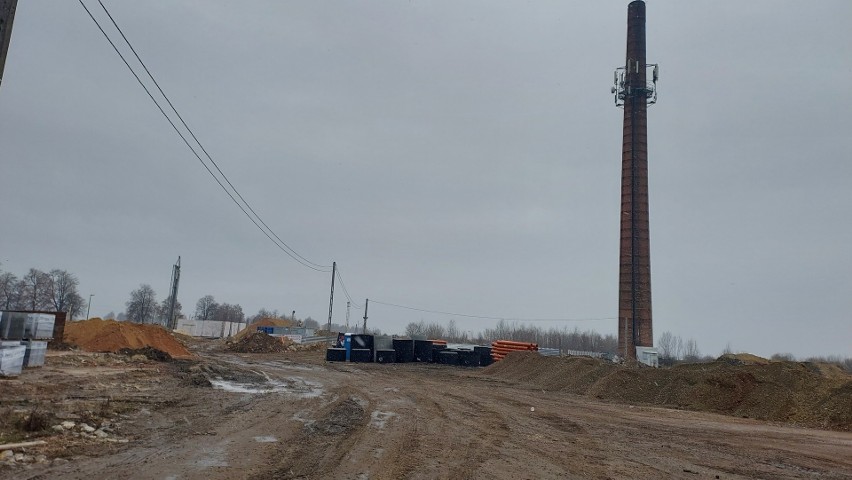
(259, 342)
(263, 322)
(96, 335)
(807, 394)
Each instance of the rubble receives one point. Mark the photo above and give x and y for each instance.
(260, 342)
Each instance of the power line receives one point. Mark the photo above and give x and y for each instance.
(279, 243)
(247, 204)
(253, 216)
(345, 291)
(487, 317)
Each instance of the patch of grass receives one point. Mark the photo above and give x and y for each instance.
(35, 421)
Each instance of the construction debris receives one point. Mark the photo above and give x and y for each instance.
(259, 342)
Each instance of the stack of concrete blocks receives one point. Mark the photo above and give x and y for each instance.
(11, 358)
(23, 340)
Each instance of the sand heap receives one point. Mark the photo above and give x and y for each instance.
(259, 342)
(98, 335)
(802, 393)
(263, 322)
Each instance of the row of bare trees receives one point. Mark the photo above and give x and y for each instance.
(144, 308)
(563, 338)
(54, 291)
(672, 348)
(207, 308)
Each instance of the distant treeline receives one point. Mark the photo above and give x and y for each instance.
(564, 338)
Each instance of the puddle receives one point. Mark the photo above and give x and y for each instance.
(265, 439)
(214, 457)
(283, 364)
(295, 386)
(380, 419)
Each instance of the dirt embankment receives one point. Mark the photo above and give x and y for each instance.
(98, 335)
(806, 394)
(259, 342)
(263, 322)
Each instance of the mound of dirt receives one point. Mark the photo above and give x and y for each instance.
(742, 359)
(96, 335)
(807, 394)
(150, 353)
(263, 322)
(259, 342)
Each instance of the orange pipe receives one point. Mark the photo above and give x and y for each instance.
(513, 343)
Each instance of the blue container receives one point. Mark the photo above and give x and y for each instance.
(347, 344)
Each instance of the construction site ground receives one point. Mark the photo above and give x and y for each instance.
(292, 415)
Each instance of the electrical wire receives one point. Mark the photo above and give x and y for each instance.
(254, 217)
(282, 245)
(346, 291)
(487, 317)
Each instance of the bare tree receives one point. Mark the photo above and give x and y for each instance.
(36, 295)
(666, 345)
(142, 307)
(415, 328)
(311, 323)
(690, 351)
(205, 308)
(229, 313)
(435, 331)
(163, 310)
(9, 292)
(453, 332)
(61, 288)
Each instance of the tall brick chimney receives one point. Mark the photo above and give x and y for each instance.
(634, 93)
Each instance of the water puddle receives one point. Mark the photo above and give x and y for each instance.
(265, 439)
(214, 457)
(380, 419)
(293, 386)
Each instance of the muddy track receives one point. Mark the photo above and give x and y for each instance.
(274, 416)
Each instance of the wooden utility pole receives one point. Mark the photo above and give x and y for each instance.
(331, 296)
(7, 16)
(366, 304)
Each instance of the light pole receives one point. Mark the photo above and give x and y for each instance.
(89, 308)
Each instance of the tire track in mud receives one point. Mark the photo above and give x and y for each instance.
(324, 442)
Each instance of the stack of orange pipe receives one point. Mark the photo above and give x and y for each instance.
(501, 348)
(438, 342)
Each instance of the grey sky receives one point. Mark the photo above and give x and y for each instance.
(460, 156)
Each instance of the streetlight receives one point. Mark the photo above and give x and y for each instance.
(90, 305)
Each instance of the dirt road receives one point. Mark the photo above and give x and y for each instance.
(294, 416)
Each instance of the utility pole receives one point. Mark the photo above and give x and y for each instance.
(89, 308)
(171, 323)
(331, 297)
(366, 304)
(348, 304)
(7, 16)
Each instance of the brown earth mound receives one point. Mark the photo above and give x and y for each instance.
(98, 335)
(263, 322)
(742, 359)
(150, 353)
(259, 342)
(807, 394)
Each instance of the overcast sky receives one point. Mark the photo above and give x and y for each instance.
(458, 155)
